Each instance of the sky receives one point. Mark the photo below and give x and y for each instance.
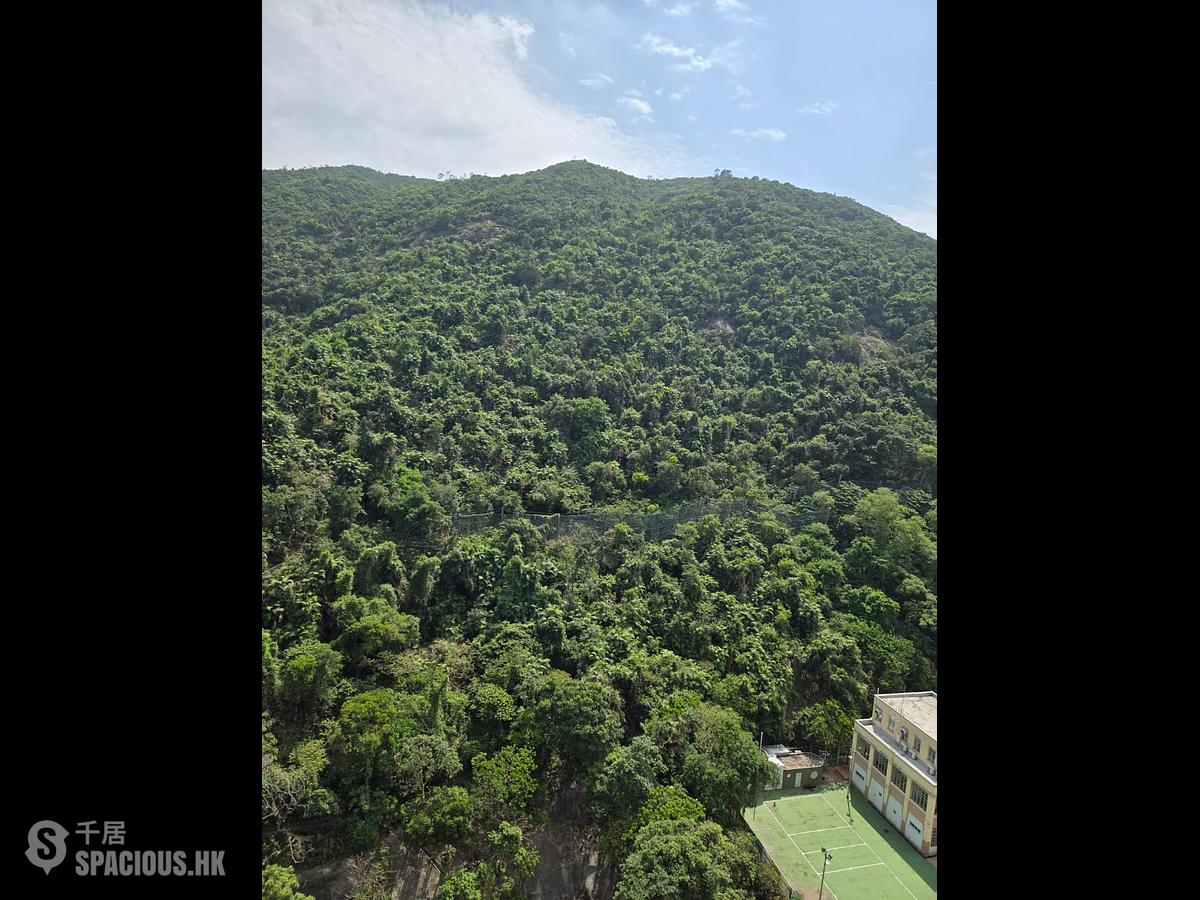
(838, 96)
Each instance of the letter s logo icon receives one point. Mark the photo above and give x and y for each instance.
(47, 845)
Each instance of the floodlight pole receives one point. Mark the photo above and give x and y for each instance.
(824, 862)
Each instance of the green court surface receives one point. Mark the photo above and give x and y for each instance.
(870, 860)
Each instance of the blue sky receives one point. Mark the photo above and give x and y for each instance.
(836, 96)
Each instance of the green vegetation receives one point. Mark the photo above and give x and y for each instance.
(443, 363)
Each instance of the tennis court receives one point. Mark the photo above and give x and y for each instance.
(870, 860)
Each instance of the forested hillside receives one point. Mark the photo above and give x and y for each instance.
(497, 350)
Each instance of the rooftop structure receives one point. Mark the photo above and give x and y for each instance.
(920, 708)
(792, 768)
(800, 761)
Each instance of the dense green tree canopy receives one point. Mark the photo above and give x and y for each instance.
(573, 481)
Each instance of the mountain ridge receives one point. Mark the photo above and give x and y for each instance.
(568, 167)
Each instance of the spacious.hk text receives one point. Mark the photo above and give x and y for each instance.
(149, 862)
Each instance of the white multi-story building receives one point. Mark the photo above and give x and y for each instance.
(894, 764)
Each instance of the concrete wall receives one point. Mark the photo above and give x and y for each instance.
(801, 777)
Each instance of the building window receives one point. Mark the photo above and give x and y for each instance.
(932, 756)
(920, 796)
(904, 734)
(891, 723)
(879, 714)
(916, 744)
(864, 748)
(899, 779)
(880, 762)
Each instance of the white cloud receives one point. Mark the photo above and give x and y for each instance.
(737, 11)
(682, 8)
(641, 107)
(818, 108)
(727, 57)
(676, 96)
(420, 90)
(741, 91)
(724, 56)
(661, 46)
(518, 33)
(567, 41)
(760, 134)
(598, 80)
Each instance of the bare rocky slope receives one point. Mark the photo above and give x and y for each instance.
(570, 867)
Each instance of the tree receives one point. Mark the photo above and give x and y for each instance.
(669, 803)
(825, 724)
(363, 745)
(270, 669)
(626, 779)
(308, 677)
(717, 761)
(424, 577)
(604, 479)
(371, 626)
(512, 859)
(888, 660)
(829, 666)
(873, 604)
(628, 775)
(444, 819)
(722, 767)
(492, 711)
(900, 536)
(281, 883)
(424, 758)
(462, 884)
(582, 720)
(679, 859)
(503, 785)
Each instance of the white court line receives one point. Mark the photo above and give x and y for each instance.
(797, 846)
(876, 855)
(852, 868)
(814, 831)
(843, 847)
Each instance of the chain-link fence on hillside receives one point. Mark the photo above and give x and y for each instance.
(805, 505)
